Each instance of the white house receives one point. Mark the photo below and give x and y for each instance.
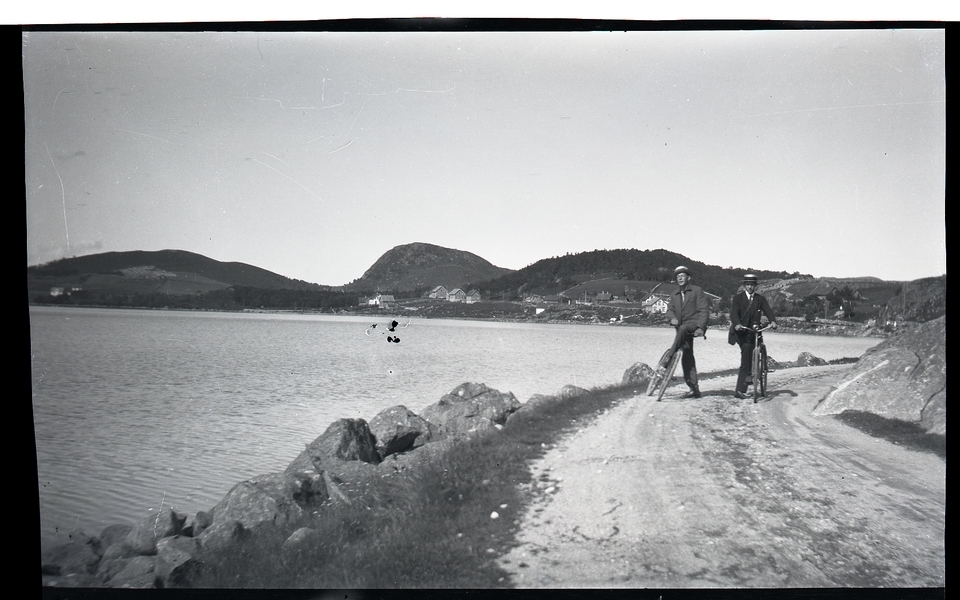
(655, 303)
(383, 301)
(457, 295)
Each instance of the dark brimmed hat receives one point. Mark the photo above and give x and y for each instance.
(750, 278)
(681, 269)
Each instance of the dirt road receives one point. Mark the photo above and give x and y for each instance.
(721, 492)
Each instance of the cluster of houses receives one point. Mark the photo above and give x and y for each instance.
(454, 295)
(439, 293)
(61, 291)
(654, 301)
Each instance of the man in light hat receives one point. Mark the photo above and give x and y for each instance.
(746, 311)
(688, 311)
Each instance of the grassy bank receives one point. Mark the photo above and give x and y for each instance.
(427, 527)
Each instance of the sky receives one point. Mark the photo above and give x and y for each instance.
(311, 154)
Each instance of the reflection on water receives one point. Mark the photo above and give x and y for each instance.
(135, 409)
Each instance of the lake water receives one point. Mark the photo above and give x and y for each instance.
(138, 409)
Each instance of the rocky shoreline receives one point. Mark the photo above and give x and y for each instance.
(167, 549)
(164, 549)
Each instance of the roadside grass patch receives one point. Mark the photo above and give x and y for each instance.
(903, 433)
(429, 526)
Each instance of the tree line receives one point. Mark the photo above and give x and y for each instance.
(232, 298)
(553, 275)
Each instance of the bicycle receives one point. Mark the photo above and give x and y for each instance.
(758, 363)
(666, 367)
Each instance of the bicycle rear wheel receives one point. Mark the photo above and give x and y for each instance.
(668, 374)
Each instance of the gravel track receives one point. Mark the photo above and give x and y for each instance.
(724, 493)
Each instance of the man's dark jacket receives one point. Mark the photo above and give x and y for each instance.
(747, 313)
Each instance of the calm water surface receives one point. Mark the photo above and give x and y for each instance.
(135, 409)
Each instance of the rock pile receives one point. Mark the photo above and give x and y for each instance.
(163, 550)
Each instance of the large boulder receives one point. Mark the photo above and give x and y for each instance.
(195, 525)
(806, 359)
(178, 559)
(538, 400)
(902, 378)
(119, 550)
(639, 375)
(398, 429)
(470, 407)
(343, 440)
(426, 454)
(109, 567)
(274, 499)
(572, 391)
(144, 535)
(113, 534)
(81, 554)
(223, 535)
(136, 572)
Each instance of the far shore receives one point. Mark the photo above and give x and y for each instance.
(820, 327)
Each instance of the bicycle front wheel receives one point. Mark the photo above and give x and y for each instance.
(763, 371)
(756, 374)
(669, 373)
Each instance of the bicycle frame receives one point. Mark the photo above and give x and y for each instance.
(758, 363)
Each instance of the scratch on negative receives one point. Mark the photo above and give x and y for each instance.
(54, 109)
(157, 521)
(291, 179)
(63, 194)
(341, 147)
(187, 343)
(144, 135)
(274, 157)
(362, 104)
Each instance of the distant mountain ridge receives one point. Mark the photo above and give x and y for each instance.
(181, 278)
(164, 271)
(419, 265)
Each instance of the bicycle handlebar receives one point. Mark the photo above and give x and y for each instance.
(752, 330)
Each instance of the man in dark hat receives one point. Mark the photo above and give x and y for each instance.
(689, 311)
(745, 313)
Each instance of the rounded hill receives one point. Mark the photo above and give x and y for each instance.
(420, 265)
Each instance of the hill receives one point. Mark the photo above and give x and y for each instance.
(418, 266)
(919, 301)
(170, 272)
(557, 274)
